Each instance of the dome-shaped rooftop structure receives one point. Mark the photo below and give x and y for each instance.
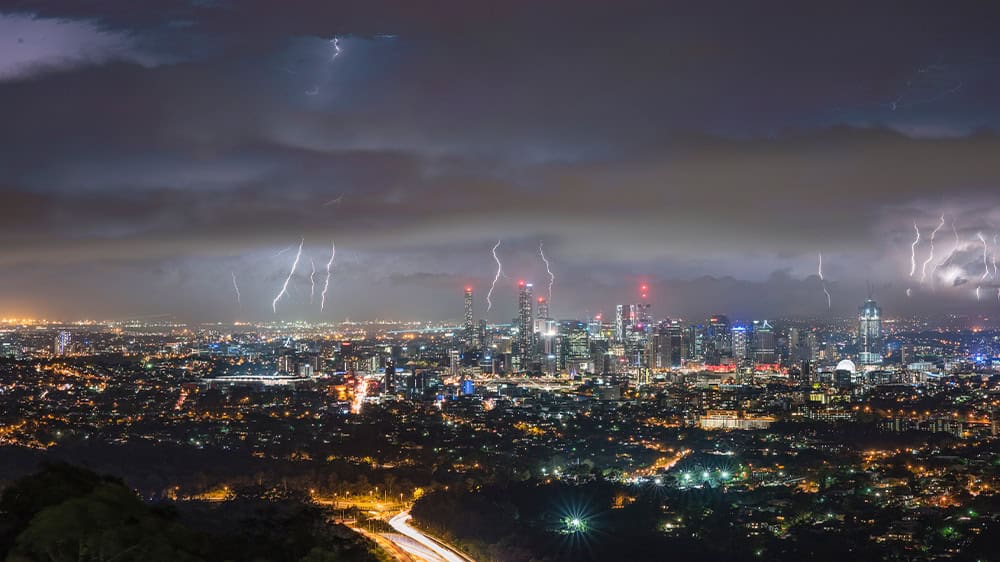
(847, 365)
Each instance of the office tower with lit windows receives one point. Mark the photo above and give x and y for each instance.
(675, 335)
(469, 330)
(482, 335)
(61, 344)
(870, 333)
(695, 342)
(763, 342)
(574, 346)
(390, 376)
(620, 323)
(718, 340)
(659, 351)
(526, 324)
(596, 328)
(741, 343)
(543, 308)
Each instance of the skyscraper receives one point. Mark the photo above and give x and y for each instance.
(620, 323)
(870, 333)
(61, 344)
(575, 344)
(763, 342)
(526, 323)
(470, 334)
(390, 376)
(543, 308)
(718, 343)
(738, 334)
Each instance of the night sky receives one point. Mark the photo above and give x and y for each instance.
(711, 149)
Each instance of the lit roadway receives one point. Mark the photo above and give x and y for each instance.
(420, 545)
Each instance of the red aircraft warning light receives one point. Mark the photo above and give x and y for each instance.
(520, 283)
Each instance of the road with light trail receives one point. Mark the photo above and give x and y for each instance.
(426, 548)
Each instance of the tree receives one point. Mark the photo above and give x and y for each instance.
(110, 524)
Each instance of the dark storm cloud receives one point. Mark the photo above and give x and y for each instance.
(702, 146)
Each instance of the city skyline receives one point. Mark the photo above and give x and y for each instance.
(721, 173)
(481, 281)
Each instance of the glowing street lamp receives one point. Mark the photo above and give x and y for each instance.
(575, 524)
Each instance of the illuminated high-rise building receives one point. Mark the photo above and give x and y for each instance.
(596, 328)
(390, 376)
(543, 308)
(470, 333)
(620, 323)
(695, 342)
(482, 335)
(870, 333)
(718, 342)
(763, 342)
(665, 346)
(526, 324)
(61, 344)
(741, 344)
(575, 346)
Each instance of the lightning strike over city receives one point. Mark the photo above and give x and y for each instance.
(986, 256)
(489, 295)
(284, 286)
(236, 287)
(930, 253)
(548, 271)
(688, 398)
(326, 281)
(312, 280)
(822, 280)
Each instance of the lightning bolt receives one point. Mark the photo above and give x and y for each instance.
(335, 43)
(552, 276)
(237, 287)
(909, 292)
(913, 250)
(284, 286)
(336, 48)
(829, 301)
(977, 293)
(986, 259)
(930, 257)
(489, 295)
(326, 283)
(312, 281)
(994, 256)
(334, 201)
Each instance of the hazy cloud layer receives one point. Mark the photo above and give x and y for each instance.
(711, 150)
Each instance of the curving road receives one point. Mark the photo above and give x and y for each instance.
(419, 544)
